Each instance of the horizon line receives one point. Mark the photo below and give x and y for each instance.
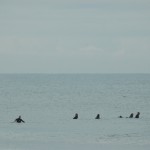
(72, 73)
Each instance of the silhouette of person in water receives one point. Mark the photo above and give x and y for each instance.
(120, 117)
(97, 117)
(131, 115)
(19, 120)
(137, 115)
(76, 116)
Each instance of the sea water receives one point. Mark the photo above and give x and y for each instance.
(48, 102)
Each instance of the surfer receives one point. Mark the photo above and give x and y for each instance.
(137, 115)
(131, 115)
(76, 116)
(19, 120)
(120, 117)
(97, 117)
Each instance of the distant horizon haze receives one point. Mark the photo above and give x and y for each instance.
(75, 36)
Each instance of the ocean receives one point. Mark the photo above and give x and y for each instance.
(48, 103)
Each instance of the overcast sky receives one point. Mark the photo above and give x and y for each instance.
(74, 36)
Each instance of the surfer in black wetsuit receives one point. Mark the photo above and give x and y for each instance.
(120, 117)
(19, 120)
(97, 117)
(137, 115)
(131, 115)
(76, 116)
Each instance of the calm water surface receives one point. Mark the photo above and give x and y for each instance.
(47, 102)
